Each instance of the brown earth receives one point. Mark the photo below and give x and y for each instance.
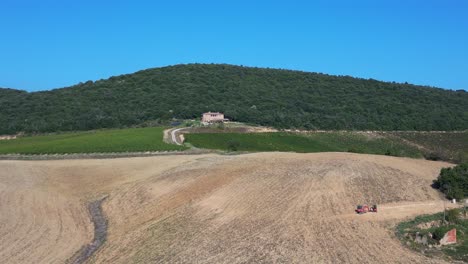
(263, 207)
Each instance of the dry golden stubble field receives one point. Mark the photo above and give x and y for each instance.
(262, 207)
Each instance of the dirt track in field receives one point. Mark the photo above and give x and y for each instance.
(263, 207)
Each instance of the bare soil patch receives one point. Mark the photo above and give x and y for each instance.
(260, 208)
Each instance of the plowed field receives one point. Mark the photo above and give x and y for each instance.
(262, 207)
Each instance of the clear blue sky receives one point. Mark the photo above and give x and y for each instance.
(49, 44)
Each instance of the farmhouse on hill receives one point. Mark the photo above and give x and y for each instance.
(213, 117)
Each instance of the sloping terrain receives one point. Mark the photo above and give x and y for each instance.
(443, 145)
(272, 97)
(37, 224)
(262, 207)
(451, 146)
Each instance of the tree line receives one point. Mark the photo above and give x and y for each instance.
(272, 97)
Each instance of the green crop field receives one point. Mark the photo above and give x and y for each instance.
(115, 140)
(452, 146)
(311, 142)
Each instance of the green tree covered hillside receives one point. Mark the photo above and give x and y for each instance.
(279, 98)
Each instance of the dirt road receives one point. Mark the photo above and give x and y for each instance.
(260, 208)
(174, 135)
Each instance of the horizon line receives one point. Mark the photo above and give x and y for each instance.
(237, 65)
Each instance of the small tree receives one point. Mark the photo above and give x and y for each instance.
(453, 182)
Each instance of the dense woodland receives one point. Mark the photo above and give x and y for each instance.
(279, 98)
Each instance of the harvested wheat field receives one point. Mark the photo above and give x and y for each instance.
(263, 207)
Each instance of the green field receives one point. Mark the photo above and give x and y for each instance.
(115, 140)
(451, 146)
(312, 142)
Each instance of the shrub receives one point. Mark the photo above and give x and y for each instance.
(453, 216)
(233, 145)
(453, 182)
(433, 156)
(439, 232)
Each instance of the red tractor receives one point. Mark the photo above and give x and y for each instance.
(362, 209)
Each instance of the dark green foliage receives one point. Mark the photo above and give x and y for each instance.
(233, 145)
(453, 182)
(432, 156)
(280, 98)
(440, 232)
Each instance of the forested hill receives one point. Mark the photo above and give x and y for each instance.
(280, 98)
